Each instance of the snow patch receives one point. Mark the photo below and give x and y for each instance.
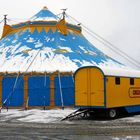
(30, 40)
(38, 44)
(52, 39)
(47, 39)
(62, 39)
(14, 41)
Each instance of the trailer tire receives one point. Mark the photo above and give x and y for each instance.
(112, 113)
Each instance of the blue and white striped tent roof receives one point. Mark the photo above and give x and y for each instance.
(44, 14)
(53, 50)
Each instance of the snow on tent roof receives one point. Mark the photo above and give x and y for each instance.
(44, 14)
(47, 49)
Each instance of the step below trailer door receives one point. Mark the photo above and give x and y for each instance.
(89, 87)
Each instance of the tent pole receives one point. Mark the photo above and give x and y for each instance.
(72, 78)
(60, 86)
(15, 84)
(26, 107)
(44, 103)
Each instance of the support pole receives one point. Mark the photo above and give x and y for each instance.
(27, 104)
(72, 77)
(15, 84)
(5, 19)
(52, 104)
(1, 78)
(44, 103)
(64, 13)
(61, 90)
(25, 91)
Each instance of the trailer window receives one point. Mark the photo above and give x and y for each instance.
(131, 81)
(117, 80)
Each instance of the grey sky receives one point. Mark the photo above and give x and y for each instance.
(116, 20)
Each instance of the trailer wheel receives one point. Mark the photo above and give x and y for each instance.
(112, 113)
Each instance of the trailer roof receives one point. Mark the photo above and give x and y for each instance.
(122, 72)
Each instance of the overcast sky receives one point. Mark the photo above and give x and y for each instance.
(118, 21)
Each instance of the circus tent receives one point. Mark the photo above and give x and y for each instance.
(38, 59)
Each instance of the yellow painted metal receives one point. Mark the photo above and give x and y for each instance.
(121, 95)
(89, 87)
(1, 78)
(25, 91)
(52, 104)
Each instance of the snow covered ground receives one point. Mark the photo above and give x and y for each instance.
(34, 115)
(48, 116)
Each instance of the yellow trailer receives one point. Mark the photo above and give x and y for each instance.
(108, 90)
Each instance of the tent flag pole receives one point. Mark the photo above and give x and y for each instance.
(60, 86)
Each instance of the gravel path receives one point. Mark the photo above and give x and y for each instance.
(82, 130)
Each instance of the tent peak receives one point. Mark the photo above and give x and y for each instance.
(45, 7)
(44, 14)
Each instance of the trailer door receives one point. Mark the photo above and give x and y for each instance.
(96, 87)
(81, 88)
(89, 87)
